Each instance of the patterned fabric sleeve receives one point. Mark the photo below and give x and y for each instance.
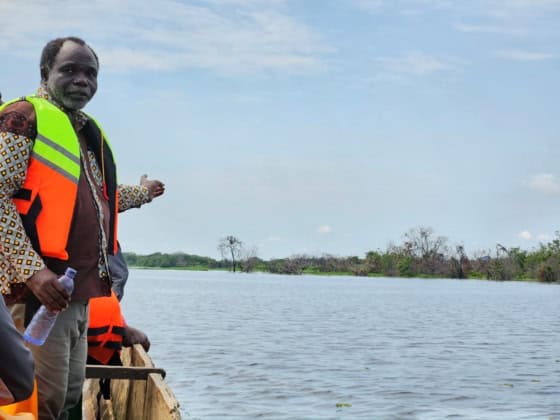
(132, 196)
(18, 259)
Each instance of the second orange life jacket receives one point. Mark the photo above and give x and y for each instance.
(106, 327)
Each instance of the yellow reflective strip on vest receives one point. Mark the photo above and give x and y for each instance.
(63, 157)
(49, 152)
(56, 144)
(57, 147)
(57, 158)
(58, 169)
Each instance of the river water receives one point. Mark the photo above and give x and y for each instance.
(247, 346)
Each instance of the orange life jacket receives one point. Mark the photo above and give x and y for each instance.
(48, 194)
(24, 410)
(106, 327)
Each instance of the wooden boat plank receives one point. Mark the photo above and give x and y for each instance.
(150, 399)
(121, 372)
(160, 402)
(136, 400)
(120, 392)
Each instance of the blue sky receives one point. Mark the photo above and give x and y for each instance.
(318, 126)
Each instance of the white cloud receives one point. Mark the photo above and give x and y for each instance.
(519, 55)
(494, 8)
(371, 6)
(227, 36)
(545, 183)
(324, 229)
(532, 3)
(526, 235)
(517, 8)
(489, 29)
(245, 3)
(544, 237)
(405, 6)
(414, 63)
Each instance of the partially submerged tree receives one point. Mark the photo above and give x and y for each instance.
(249, 259)
(230, 245)
(422, 243)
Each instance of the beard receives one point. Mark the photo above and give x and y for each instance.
(68, 101)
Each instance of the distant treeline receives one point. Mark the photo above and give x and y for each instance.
(422, 254)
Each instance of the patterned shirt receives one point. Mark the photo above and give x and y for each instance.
(18, 260)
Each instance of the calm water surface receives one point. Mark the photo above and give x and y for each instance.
(245, 346)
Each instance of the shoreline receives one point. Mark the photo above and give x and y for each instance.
(343, 274)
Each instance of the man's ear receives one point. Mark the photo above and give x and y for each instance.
(44, 74)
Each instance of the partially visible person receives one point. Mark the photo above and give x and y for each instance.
(119, 272)
(59, 201)
(117, 263)
(107, 330)
(16, 365)
(16, 361)
(108, 333)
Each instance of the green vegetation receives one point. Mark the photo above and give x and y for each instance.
(422, 254)
(177, 260)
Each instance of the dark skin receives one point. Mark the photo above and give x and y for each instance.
(71, 82)
(155, 187)
(135, 336)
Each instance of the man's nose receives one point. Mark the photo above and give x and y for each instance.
(81, 79)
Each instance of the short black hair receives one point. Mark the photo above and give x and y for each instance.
(51, 50)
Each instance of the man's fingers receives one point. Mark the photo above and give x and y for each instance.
(56, 300)
(159, 188)
(45, 285)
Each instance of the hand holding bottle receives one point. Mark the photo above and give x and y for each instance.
(45, 285)
(41, 325)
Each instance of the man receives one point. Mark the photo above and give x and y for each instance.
(59, 202)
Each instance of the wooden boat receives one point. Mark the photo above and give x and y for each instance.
(138, 390)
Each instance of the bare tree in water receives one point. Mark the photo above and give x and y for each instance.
(249, 259)
(422, 243)
(230, 245)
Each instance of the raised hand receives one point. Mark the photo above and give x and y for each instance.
(155, 187)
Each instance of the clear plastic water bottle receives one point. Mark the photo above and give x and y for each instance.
(42, 322)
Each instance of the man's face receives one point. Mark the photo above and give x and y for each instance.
(72, 80)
